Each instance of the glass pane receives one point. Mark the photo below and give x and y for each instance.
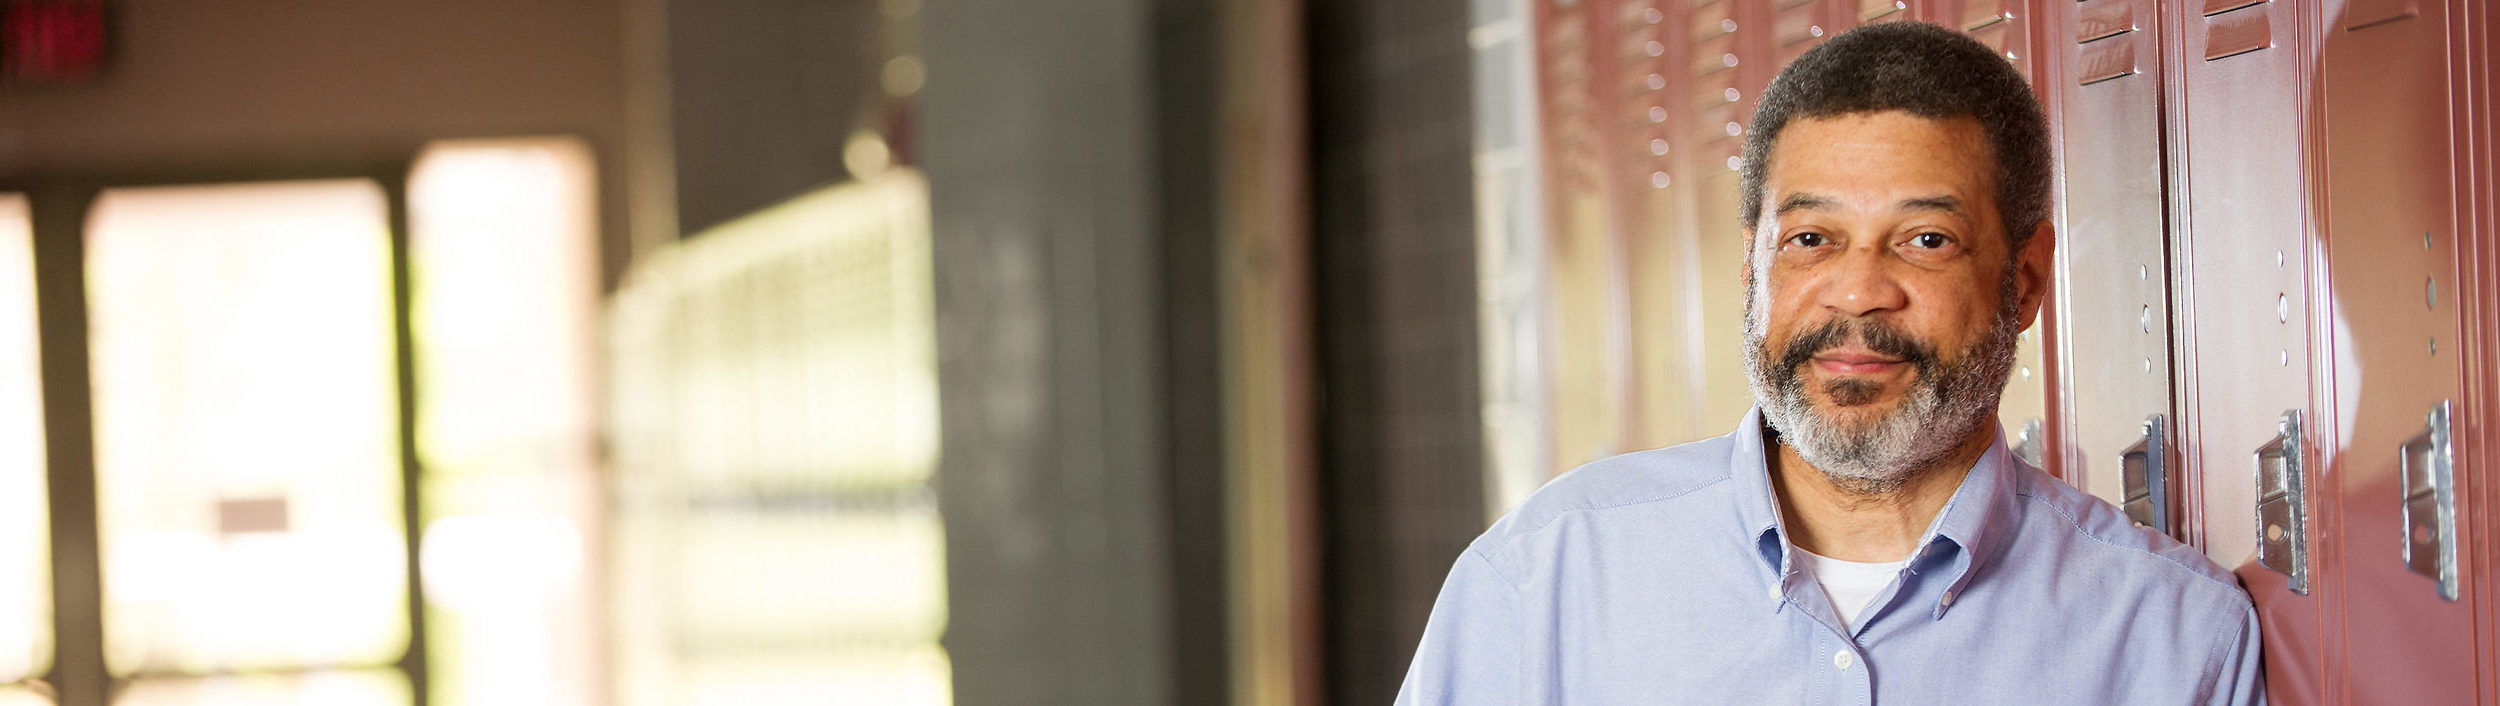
(25, 559)
(501, 257)
(776, 427)
(247, 453)
(367, 687)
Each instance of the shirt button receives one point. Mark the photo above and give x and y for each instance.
(1842, 659)
(1776, 592)
(1948, 599)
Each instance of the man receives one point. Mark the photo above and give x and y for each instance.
(1864, 536)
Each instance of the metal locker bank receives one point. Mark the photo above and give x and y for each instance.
(2275, 331)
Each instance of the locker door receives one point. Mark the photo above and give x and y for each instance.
(2247, 399)
(2113, 295)
(2391, 248)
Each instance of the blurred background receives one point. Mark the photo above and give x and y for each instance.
(776, 351)
(470, 352)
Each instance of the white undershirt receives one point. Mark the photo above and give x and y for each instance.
(1852, 584)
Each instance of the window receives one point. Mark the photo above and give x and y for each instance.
(25, 546)
(248, 470)
(776, 427)
(503, 296)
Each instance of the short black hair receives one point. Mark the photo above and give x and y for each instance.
(1925, 70)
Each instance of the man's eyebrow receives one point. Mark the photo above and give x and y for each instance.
(1800, 201)
(1948, 204)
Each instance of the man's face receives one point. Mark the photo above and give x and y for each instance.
(1882, 300)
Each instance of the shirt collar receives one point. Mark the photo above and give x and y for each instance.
(1973, 526)
(1980, 517)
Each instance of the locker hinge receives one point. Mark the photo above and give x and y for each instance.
(2146, 473)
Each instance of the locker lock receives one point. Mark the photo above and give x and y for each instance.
(2282, 505)
(2426, 467)
(2145, 466)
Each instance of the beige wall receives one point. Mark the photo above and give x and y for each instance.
(241, 86)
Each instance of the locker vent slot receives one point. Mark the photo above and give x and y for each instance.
(1716, 54)
(1981, 13)
(2216, 7)
(2238, 32)
(2102, 19)
(1795, 26)
(1993, 35)
(2106, 60)
(2371, 13)
(1712, 19)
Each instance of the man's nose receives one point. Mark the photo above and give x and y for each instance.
(1861, 284)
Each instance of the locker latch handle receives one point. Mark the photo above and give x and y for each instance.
(2426, 469)
(2282, 504)
(2145, 466)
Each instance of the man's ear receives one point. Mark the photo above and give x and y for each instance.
(2035, 270)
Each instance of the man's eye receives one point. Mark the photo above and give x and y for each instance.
(1807, 240)
(1930, 241)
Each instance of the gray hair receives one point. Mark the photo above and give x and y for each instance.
(1927, 71)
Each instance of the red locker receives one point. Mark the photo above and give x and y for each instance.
(2318, 216)
(2245, 261)
(2113, 297)
(2400, 569)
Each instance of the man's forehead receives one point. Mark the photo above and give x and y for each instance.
(1936, 201)
(1888, 160)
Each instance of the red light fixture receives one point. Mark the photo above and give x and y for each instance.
(51, 41)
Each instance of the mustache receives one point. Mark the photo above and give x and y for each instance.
(1873, 335)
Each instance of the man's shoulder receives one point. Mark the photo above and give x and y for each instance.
(1629, 480)
(2095, 531)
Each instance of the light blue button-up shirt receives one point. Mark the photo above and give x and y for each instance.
(1665, 577)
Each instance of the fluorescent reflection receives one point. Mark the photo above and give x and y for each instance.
(775, 427)
(247, 455)
(501, 253)
(25, 587)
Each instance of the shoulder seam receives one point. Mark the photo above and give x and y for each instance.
(2078, 527)
(1498, 573)
(1558, 516)
(2213, 656)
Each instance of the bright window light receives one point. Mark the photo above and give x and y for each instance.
(25, 587)
(504, 287)
(247, 452)
(776, 427)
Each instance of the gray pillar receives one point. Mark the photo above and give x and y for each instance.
(1062, 427)
(1401, 441)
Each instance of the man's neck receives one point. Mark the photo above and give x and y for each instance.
(1831, 520)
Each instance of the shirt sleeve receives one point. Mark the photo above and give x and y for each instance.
(2240, 678)
(1472, 647)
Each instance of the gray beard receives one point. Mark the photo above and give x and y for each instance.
(1948, 400)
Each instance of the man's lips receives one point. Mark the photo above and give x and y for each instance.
(1856, 363)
